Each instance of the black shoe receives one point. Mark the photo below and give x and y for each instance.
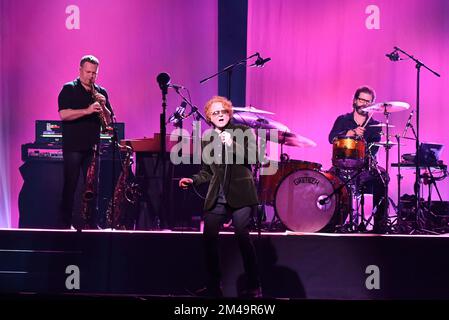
(252, 293)
(209, 292)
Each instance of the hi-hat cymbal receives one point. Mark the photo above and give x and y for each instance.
(391, 106)
(251, 109)
(381, 125)
(258, 122)
(384, 144)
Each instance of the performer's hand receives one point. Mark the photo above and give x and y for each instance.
(359, 131)
(350, 133)
(100, 98)
(94, 107)
(226, 138)
(184, 183)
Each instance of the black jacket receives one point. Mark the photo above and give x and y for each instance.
(235, 177)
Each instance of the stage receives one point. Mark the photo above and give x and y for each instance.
(170, 264)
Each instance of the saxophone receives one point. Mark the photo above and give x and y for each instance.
(124, 193)
(105, 123)
(90, 191)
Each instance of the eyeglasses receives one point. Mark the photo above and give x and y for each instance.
(364, 100)
(223, 112)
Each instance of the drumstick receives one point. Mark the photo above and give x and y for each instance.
(369, 118)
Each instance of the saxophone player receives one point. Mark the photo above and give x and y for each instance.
(81, 103)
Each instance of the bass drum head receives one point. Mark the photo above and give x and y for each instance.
(297, 201)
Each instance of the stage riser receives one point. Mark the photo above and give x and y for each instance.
(308, 266)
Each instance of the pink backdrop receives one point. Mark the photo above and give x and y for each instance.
(135, 40)
(322, 51)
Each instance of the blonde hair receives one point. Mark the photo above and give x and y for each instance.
(227, 105)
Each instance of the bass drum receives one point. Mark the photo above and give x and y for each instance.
(269, 182)
(297, 201)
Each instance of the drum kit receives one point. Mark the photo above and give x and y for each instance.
(306, 198)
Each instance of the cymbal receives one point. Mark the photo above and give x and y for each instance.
(391, 106)
(251, 109)
(384, 144)
(294, 140)
(382, 125)
(258, 122)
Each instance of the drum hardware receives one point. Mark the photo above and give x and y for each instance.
(420, 220)
(387, 108)
(381, 125)
(351, 183)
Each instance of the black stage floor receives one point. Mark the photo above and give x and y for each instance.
(170, 264)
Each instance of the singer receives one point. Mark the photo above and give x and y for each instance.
(355, 125)
(79, 111)
(232, 194)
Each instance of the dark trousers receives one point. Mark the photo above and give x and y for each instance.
(74, 163)
(373, 183)
(241, 218)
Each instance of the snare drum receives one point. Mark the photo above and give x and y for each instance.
(298, 206)
(269, 182)
(348, 152)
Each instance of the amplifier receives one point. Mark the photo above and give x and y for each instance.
(53, 152)
(39, 151)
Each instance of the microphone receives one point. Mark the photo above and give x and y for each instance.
(322, 200)
(408, 123)
(260, 62)
(163, 79)
(394, 56)
(179, 114)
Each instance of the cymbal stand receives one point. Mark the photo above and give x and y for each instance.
(373, 168)
(387, 163)
(260, 213)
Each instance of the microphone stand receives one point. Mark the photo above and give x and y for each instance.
(114, 141)
(229, 70)
(163, 130)
(418, 66)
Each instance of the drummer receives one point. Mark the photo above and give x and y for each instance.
(358, 125)
(354, 124)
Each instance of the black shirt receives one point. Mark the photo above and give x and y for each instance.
(83, 133)
(346, 122)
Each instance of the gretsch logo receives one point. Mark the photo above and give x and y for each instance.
(309, 180)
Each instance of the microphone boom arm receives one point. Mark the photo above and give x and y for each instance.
(230, 67)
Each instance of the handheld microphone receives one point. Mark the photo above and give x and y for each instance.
(408, 123)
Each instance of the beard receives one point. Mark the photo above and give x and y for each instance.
(359, 110)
